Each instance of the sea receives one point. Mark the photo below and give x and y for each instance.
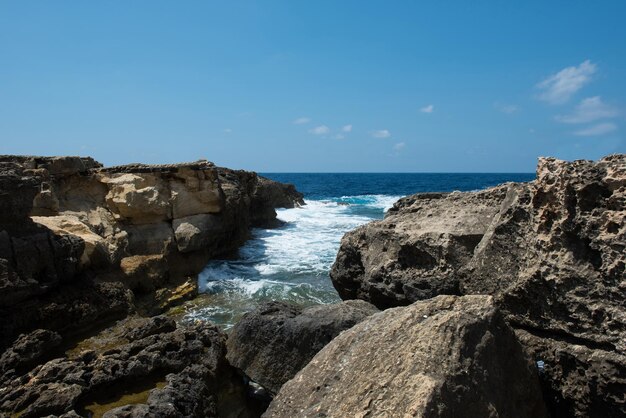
(292, 263)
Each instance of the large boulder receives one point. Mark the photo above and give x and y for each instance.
(274, 342)
(552, 252)
(446, 357)
(416, 251)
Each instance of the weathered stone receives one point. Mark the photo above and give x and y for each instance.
(141, 198)
(27, 351)
(189, 359)
(195, 192)
(60, 166)
(416, 251)
(194, 233)
(100, 232)
(96, 252)
(151, 238)
(445, 357)
(553, 255)
(274, 342)
(144, 272)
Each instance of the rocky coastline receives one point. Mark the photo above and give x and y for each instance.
(505, 302)
(83, 246)
(552, 254)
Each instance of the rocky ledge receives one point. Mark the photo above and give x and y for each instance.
(142, 367)
(551, 252)
(81, 244)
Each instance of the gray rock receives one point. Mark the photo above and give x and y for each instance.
(552, 252)
(272, 343)
(416, 251)
(445, 357)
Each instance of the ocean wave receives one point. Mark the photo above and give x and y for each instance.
(288, 263)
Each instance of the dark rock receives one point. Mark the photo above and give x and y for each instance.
(189, 359)
(445, 357)
(267, 196)
(272, 343)
(28, 351)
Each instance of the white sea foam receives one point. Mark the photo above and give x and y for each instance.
(287, 263)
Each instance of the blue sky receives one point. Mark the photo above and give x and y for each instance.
(330, 86)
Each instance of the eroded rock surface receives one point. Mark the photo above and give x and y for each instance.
(79, 243)
(416, 251)
(445, 357)
(274, 342)
(184, 366)
(552, 252)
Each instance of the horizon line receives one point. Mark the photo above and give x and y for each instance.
(395, 172)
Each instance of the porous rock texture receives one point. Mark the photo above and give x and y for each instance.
(275, 341)
(80, 244)
(188, 360)
(445, 357)
(416, 251)
(552, 252)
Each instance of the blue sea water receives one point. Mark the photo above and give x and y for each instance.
(292, 262)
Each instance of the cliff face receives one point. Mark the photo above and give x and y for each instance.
(76, 237)
(552, 252)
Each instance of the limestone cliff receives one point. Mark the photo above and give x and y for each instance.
(81, 243)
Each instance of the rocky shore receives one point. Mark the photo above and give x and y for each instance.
(551, 252)
(506, 302)
(83, 246)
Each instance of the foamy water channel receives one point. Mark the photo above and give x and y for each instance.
(290, 263)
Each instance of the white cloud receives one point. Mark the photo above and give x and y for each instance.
(339, 136)
(347, 128)
(588, 110)
(383, 133)
(507, 108)
(399, 146)
(559, 87)
(301, 121)
(428, 109)
(596, 130)
(320, 130)
(228, 131)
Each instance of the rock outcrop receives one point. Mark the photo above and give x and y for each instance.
(81, 244)
(167, 370)
(274, 342)
(552, 252)
(446, 357)
(416, 251)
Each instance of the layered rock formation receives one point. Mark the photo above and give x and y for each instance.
(552, 252)
(274, 342)
(165, 370)
(446, 357)
(79, 243)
